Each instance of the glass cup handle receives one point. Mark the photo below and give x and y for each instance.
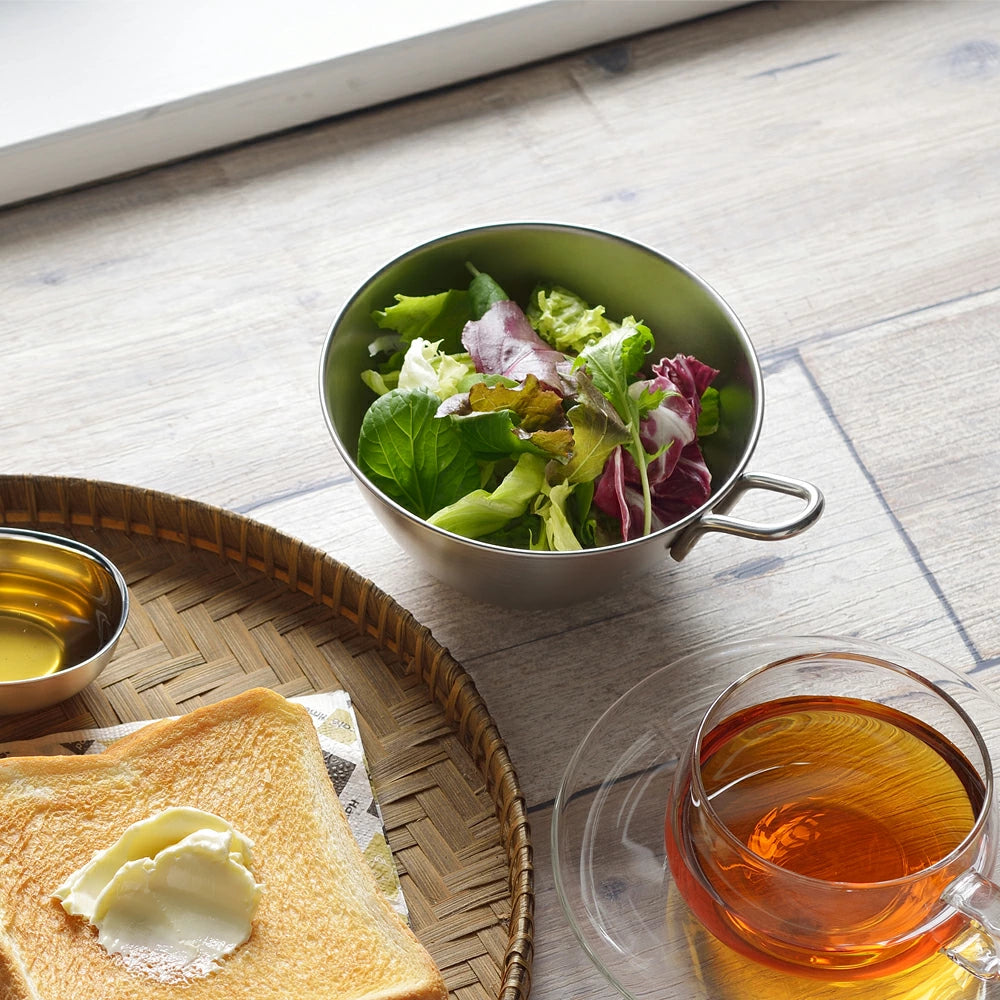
(977, 948)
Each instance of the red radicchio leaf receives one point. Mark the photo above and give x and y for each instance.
(679, 479)
(691, 376)
(502, 342)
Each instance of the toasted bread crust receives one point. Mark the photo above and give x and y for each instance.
(323, 929)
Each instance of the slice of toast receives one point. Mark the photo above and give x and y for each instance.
(322, 930)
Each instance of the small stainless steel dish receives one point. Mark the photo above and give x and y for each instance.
(685, 315)
(63, 608)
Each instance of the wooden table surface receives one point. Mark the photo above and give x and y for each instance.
(833, 169)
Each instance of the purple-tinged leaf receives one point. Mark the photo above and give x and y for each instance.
(679, 479)
(502, 342)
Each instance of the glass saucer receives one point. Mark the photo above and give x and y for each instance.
(609, 859)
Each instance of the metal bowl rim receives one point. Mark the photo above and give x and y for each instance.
(58, 541)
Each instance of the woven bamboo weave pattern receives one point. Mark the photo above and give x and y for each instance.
(220, 604)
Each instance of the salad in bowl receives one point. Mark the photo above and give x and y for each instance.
(544, 425)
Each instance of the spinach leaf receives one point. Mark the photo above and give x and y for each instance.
(418, 459)
(499, 434)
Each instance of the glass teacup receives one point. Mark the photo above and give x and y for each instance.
(834, 816)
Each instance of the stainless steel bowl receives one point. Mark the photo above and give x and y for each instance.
(685, 315)
(63, 608)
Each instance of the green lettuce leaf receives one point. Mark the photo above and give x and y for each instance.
(585, 514)
(708, 419)
(423, 366)
(480, 512)
(426, 367)
(419, 460)
(433, 317)
(614, 360)
(551, 507)
(597, 431)
(517, 534)
(380, 383)
(564, 320)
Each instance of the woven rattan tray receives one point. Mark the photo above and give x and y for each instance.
(220, 604)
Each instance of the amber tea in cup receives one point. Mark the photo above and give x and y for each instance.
(833, 817)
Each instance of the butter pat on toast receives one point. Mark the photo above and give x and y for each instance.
(323, 930)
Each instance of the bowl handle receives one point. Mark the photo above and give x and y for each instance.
(717, 521)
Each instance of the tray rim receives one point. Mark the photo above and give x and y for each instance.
(51, 501)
